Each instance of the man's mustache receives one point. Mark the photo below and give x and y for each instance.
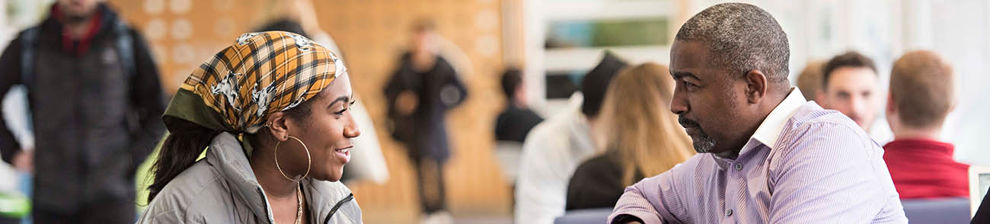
(687, 123)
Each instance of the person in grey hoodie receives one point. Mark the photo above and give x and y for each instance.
(272, 113)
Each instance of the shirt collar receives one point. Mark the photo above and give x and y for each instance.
(768, 131)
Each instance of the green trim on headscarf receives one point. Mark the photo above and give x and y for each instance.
(188, 106)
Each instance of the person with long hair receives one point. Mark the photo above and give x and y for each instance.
(641, 138)
(271, 111)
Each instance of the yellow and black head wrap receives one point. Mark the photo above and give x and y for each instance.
(260, 74)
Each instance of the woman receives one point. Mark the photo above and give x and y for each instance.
(640, 136)
(273, 111)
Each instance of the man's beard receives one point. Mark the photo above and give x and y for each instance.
(70, 16)
(76, 19)
(703, 143)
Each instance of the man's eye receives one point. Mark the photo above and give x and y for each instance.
(690, 85)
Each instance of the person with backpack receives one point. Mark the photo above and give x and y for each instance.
(95, 99)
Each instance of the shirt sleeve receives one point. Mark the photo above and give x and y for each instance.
(147, 102)
(835, 175)
(10, 75)
(453, 92)
(636, 202)
(651, 200)
(660, 199)
(540, 191)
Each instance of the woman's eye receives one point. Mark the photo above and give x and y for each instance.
(345, 109)
(341, 112)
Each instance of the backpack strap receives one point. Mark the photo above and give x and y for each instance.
(125, 47)
(29, 50)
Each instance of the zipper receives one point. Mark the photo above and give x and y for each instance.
(340, 203)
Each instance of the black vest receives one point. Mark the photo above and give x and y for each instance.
(80, 116)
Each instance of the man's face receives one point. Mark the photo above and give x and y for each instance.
(853, 91)
(78, 8)
(708, 100)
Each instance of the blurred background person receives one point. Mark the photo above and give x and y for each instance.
(809, 81)
(513, 124)
(95, 99)
(422, 89)
(299, 16)
(920, 97)
(850, 85)
(641, 138)
(555, 148)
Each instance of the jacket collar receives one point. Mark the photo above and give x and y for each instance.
(228, 158)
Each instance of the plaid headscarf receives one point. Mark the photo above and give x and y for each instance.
(262, 73)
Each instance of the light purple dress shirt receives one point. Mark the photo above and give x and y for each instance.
(803, 164)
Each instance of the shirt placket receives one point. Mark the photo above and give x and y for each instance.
(735, 196)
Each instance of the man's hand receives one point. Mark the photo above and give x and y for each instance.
(406, 103)
(24, 161)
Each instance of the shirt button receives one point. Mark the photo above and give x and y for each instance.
(738, 166)
(728, 212)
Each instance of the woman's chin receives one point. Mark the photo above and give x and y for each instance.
(332, 176)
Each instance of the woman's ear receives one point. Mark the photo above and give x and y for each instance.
(278, 126)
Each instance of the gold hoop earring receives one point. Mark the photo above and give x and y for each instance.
(309, 165)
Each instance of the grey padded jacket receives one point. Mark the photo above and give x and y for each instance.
(222, 188)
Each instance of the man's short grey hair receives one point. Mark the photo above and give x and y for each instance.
(741, 37)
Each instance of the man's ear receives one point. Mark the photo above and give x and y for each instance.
(756, 86)
(953, 103)
(277, 126)
(891, 106)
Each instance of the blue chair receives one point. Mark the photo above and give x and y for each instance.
(937, 211)
(585, 216)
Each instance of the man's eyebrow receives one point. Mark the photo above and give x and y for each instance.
(681, 75)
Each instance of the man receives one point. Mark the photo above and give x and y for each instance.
(765, 154)
(921, 95)
(850, 85)
(516, 120)
(555, 148)
(512, 125)
(421, 91)
(95, 101)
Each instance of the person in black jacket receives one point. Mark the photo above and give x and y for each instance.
(983, 212)
(419, 93)
(95, 99)
(516, 120)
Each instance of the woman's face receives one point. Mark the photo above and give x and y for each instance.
(327, 131)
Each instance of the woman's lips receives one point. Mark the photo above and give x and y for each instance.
(344, 154)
